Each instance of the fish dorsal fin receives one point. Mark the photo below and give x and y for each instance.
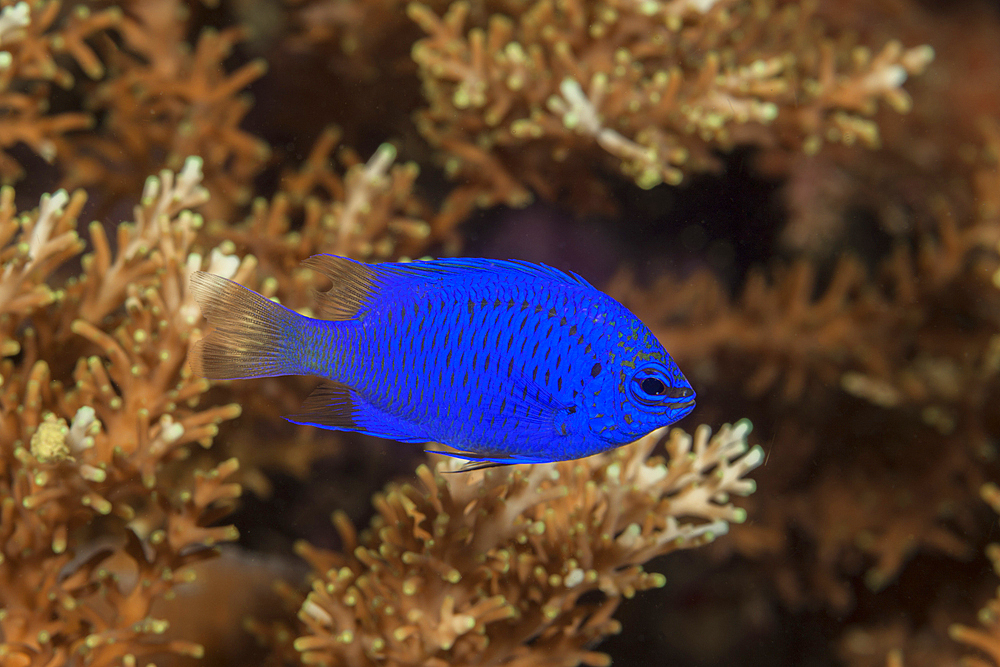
(466, 268)
(353, 286)
(355, 283)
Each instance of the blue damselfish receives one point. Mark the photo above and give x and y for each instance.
(504, 361)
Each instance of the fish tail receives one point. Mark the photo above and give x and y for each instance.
(252, 337)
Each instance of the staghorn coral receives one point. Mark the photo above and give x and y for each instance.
(987, 638)
(657, 86)
(33, 38)
(94, 524)
(490, 567)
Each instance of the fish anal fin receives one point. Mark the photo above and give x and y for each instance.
(339, 407)
(329, 406)
(481, 461)
(353, 286)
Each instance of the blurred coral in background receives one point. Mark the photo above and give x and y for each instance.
(800, 198)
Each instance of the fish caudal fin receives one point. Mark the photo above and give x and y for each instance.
(251, 334)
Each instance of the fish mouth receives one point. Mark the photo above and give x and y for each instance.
(682, 407)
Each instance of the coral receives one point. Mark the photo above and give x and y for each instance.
(657, 86)
(987, 638)
(492, 567)
(34, 37)
(94, 523)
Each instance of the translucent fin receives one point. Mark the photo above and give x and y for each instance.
(329, 406)
(352, 286)
(356, 284)
(481, 461)
(250, 336)
(338, 407)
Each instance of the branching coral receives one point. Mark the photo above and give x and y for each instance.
(987, 638)
(94, 525)
(492, 567)
(656, 85)
(33, 37)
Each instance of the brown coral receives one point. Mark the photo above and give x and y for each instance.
(490, 567)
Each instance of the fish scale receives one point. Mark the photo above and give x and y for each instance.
(502, 361)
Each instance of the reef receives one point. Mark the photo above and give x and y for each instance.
(801, 198)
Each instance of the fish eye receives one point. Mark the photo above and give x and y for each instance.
(653, 386)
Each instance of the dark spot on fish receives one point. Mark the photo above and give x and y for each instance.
(458, 343)
(486, 366)
(465, 380)
(628, 418)
(496, 303)
(537, 324)
(475, 358)
(572, 330)
(524, 304)
(534, 350)
(549, 332)
(510, 367)
(595, 371)
(559, 384)
(552, 312)
(558, 360)
(510, 341)
(486, 339)
(548, 350)
(562, 321)
(572, 409)
(538, 308)
(447, 360)
(587, 349)
(563, 429)
(484, 302)
(534, 374)
(510, 304)
(546, 377)
(523, 322)
(472, 305)
(503, 404)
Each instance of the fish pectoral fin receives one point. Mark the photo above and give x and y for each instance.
(534, 403)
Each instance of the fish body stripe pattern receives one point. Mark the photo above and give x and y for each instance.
(504, 361)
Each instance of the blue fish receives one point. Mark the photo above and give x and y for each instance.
(503, 361)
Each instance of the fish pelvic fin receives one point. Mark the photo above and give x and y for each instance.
(251, 336)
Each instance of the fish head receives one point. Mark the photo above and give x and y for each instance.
(642, 390)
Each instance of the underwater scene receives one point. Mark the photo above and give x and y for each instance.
(523, 333)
